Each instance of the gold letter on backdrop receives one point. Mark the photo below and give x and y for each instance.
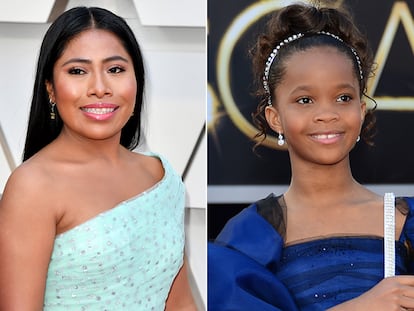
(223, 96)
(400, 13)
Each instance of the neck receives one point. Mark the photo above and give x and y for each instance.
(80, 149)
(318, 183)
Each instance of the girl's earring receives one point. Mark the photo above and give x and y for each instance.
(52, 110)
(358, 138)
(280, 140)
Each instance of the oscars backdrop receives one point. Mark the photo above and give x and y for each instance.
(235, 172)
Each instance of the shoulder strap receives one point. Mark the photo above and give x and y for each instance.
(273, 210)
(389, 235)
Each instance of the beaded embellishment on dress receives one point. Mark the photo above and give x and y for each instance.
(123, 259)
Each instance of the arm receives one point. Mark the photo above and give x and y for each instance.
(27, 231)
(180, 296)
(393, 293)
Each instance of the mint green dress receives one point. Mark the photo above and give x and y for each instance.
(123, 259)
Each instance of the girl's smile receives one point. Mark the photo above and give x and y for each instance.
(327, 138)
(317, 106)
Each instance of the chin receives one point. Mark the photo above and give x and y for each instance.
(332, 160)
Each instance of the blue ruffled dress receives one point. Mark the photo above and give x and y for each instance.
(249, 268)
(123, 259)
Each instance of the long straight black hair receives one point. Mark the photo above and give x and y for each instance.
(41, 129)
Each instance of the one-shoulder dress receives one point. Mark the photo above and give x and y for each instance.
(125, 258)
(250, 268)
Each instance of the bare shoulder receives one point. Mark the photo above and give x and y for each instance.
(401, 210)
(152, 165)
(368, 198)
(27, 190)
(24, 174)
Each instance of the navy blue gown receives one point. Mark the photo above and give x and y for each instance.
(250, 268)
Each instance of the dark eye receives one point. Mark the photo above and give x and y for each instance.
(116, 69)
(76, 71)
(344, 98)
(304, 100)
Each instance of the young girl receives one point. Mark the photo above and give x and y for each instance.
(319, 245)
(85, 223)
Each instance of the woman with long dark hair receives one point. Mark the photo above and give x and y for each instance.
(85, 223)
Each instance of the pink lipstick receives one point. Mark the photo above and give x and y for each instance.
(99, 111)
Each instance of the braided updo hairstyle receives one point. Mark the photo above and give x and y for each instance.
(308, 20)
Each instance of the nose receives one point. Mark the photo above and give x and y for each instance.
(99, 85)
(326, 113)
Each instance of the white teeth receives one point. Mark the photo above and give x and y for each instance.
(98, 110)
(325, 136)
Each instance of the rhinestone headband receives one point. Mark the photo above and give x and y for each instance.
(288, 40)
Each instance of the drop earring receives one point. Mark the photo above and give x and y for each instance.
(52, 110)
(280, 140)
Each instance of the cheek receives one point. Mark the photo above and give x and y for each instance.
(356, 117)
(293, 123)
(293, 130)
(131, 90)
(65, 90)
(127, 88)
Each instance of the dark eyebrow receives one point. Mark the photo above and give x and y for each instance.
(88, 61)
(115, 57)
